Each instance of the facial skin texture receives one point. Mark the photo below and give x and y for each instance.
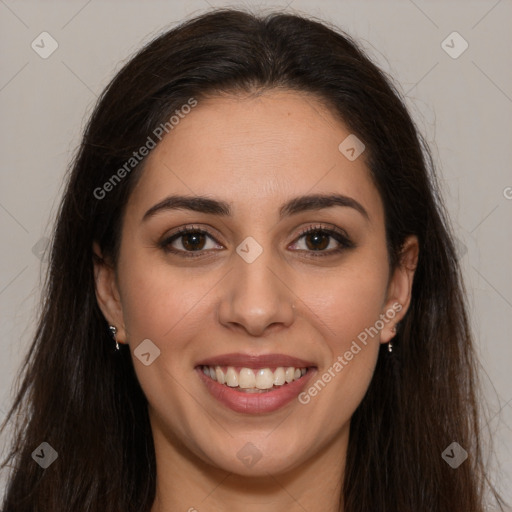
(255, 152)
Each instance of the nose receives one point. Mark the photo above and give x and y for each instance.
(257, 296)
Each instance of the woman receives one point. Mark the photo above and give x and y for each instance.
(253, 298)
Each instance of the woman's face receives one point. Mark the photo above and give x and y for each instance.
(253, 295)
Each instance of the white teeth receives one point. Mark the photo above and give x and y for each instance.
(249, 379)
(279, 377)
(264, 379)
(220, 375)
(231, 377)
(246, 378)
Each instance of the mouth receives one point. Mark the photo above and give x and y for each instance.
(255, 384)
(253, 380)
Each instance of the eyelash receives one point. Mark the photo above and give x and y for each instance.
(339, 236)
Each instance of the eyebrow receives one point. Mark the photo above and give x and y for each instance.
(296, 205)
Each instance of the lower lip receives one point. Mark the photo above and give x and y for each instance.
(254, 403)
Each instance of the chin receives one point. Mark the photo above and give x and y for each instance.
(258, 457)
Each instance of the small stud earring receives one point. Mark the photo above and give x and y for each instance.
(390, 345)
(113, 331)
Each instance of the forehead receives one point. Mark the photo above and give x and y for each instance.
(255, 151)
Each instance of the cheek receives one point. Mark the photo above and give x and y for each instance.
(346, 302)
(160, 304)
(158, 301)
(346, 309)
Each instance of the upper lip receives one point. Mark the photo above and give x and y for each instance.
(255, 361)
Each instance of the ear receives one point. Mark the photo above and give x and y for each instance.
(400, 287)
(107, 293)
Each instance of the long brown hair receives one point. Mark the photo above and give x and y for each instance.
(84, 399)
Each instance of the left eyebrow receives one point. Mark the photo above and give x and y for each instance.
(318, 202)
(294, 206)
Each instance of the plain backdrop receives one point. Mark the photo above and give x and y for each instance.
(463, 105)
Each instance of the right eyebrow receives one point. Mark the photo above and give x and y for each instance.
(295, 205)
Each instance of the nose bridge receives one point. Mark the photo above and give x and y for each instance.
(256, 294)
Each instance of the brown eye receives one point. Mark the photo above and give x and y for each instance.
(193, 241)
(320, 241)
(317, 240)
(188, 241)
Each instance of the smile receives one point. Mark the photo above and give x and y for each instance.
(251, 380)
(255, 384)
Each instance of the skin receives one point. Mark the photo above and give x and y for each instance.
(255, 152)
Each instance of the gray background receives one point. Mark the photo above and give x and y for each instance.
(462, 105)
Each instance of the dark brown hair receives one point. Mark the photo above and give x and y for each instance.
(84, 399)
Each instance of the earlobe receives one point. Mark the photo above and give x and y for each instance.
(400, 288)
(107, 294)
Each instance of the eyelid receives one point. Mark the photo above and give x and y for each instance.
(179, 232)
(331, 230)
(326, 227)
